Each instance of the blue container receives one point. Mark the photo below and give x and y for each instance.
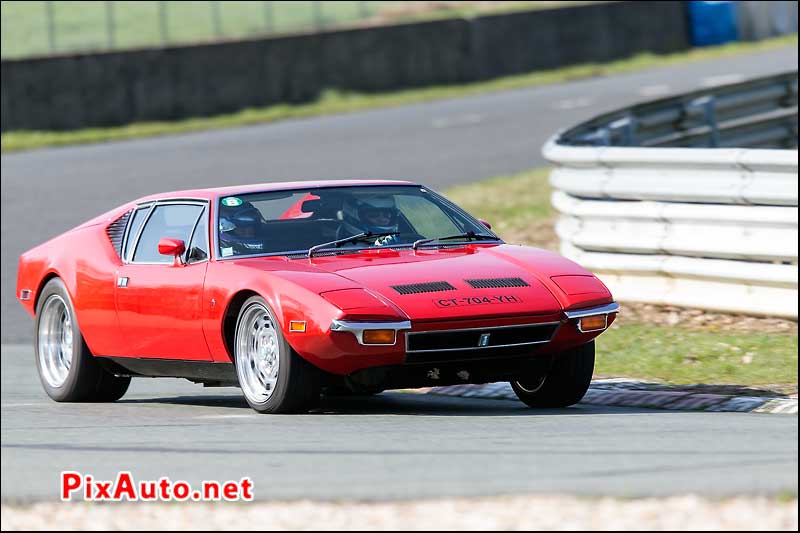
(712, 22)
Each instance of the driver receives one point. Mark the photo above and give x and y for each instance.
(239, 229)
(374, 214)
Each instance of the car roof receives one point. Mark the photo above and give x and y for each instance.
(216, 192)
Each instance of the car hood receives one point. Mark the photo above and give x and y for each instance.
(447, 283)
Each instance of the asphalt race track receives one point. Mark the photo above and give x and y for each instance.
(390, 446)
(393, 445)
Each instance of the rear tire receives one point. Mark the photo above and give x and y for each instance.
(67, 369)
(564, 384)
(273, 377)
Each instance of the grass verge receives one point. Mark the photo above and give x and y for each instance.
(683, 356)
(333, 102)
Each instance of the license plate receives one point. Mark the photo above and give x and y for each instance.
(468, 301)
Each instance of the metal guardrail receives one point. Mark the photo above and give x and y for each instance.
(663, 218)
(725, 116)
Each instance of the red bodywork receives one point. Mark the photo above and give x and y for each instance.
(176, 311)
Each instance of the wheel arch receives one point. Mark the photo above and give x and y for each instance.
(51, 274)
(231, 315)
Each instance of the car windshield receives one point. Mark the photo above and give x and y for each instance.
(294, 221)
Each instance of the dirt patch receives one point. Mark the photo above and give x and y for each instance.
(682, 317)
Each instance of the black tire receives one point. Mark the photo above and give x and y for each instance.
(297, 389)
(564, 384)
(86, 380)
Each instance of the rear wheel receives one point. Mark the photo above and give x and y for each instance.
(564, 384)
(273, 378)
(67, 369)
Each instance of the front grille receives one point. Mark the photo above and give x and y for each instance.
(481, 341)
(495, 283)
(418, 288)
(116, 232)
(461, 356)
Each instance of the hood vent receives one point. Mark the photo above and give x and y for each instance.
(496, 283)
(116, 232)
(417, 288)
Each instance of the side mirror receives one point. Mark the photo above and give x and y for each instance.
(174, 247)
(485, 223)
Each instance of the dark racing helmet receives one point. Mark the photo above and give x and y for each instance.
(239, 227)
(376, 214)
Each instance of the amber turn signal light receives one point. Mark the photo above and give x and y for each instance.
(592, 323)
(298, 326)
(378, 336)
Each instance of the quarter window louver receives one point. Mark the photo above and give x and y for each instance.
(116, 232)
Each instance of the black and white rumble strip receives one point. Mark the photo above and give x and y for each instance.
(629, 393)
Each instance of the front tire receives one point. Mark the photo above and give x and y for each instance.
(564, 384)
(67, 369)
(273, 378)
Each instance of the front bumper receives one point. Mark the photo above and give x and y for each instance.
(481, 340)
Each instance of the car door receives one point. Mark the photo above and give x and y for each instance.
(159, 297)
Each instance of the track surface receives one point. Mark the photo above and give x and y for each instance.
(393, 445)
(385, 447)
(48, 191)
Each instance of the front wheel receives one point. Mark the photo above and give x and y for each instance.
(564, 384)
(273, 378)
(67, 369)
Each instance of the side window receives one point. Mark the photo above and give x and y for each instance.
(171, 221)
(136, 222)
(426, 217)
(198, 248)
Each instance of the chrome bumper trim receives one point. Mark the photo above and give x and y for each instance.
(357, 329)
(602, 310)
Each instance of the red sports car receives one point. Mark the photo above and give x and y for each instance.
(291, 290)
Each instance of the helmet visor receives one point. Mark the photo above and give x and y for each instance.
(379, 216)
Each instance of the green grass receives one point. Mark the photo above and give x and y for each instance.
(682, 356)
(333, 102)
(84, 25)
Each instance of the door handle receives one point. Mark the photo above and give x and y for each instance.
(122, 282)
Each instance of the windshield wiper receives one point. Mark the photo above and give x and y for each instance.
(352, 238)
(468, 235)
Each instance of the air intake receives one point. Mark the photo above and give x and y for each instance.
(116, 232)
(496, 283)
(417, 288)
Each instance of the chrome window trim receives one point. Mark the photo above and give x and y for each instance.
(488, 330)
(153, 205)
(197, 224)
(357, 329)
(129, 226)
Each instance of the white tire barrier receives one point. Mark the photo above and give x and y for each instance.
(709, 228)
